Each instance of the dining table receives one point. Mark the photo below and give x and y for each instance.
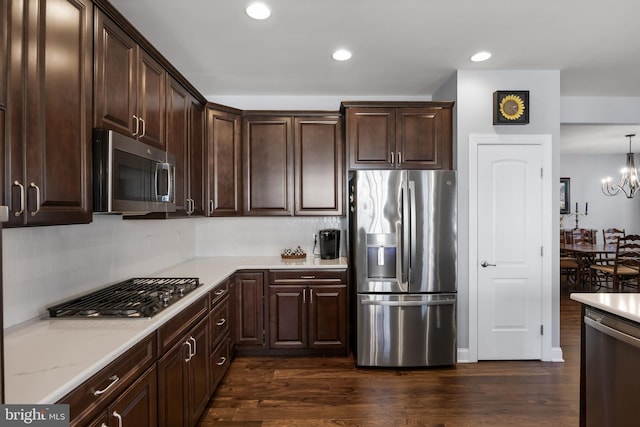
(586, 255)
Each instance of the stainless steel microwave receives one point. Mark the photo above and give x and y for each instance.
(131, 177)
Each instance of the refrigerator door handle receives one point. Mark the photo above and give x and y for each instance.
(412, 230)
(407, 303)
(406, 232)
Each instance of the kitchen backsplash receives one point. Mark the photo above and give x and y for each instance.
(43, 265)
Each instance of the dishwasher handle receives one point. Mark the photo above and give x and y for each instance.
(613, 333)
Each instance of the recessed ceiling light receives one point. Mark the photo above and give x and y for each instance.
(341, 55)
(258, 11)
(481, 56)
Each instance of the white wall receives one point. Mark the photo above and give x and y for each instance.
(586, 171)
(474, 105)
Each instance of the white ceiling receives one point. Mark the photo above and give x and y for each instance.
(400, 48)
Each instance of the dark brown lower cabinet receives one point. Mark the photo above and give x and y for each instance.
(183, 383)
(249, 311)
(136, 406)
(308, 311)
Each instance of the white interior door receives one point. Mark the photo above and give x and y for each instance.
(509, 245)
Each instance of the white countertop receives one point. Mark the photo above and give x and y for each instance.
(47, 358)
(623, 305)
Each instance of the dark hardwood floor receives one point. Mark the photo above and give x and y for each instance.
(333, 392)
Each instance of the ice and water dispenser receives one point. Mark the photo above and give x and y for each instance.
(381, 255)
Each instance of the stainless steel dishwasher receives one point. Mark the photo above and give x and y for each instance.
(612, 370)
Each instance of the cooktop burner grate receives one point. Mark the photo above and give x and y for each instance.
(139, 297)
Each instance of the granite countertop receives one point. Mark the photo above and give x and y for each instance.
(623, 305)
(47, 358)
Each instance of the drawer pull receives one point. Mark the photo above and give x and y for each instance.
(307, 277)
(195, 349)
(221, 322)
(114, 379)
(222, 361)
(220, 292)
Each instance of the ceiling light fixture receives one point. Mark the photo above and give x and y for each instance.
(629, 177)
(258, 11)
(481, 56)
(341, 55)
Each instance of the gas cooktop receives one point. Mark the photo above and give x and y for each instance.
(139, 297)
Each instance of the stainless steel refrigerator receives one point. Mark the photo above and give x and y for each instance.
(403, 231)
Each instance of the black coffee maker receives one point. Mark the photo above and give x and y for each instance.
(329, 244)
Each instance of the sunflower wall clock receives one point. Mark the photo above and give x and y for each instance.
(510, 107)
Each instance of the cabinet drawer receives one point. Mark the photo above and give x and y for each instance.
(219, 321)
(99, 390)
(281, 277)
(177, 327)
(219, 292)
(219, 362)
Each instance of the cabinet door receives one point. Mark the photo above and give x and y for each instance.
(249, 311)
(197, 158)
(319, 166)
(151, 100)
(198, 372)
(288, 316)
(4, 39)
(57, 120)
(223, 163)
(268, 166)
(328, 321)
(137, 406)
(115, 86)
(371, 137)
(177, 108)
(173, 386)
(423, 138)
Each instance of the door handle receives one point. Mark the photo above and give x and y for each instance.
(486, 264)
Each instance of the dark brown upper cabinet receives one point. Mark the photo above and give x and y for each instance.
(129, 86)
(223, 161)
(319, 160)
(405, 135)
(48, 118)
(293, 164)
(185, 141)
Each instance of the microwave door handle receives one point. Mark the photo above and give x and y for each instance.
(166, 167)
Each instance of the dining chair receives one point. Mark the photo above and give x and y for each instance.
(583, 235)
(610, 235)
(625, 270)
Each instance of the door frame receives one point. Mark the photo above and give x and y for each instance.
(545, 142)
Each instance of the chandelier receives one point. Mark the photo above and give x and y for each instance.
(629, 184)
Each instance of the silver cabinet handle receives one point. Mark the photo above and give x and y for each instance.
(114, 379)
(188, 343)
(33, 185)
(219, 292)
(119, 417)
(392, 160)
(307, 277)
(195, 349)
(222, 361)
(19, 212)
(210, 206)
(486, 264)
(137, 125)
(144, 128)
(399, 157)
(304, 296)
(221, 322)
